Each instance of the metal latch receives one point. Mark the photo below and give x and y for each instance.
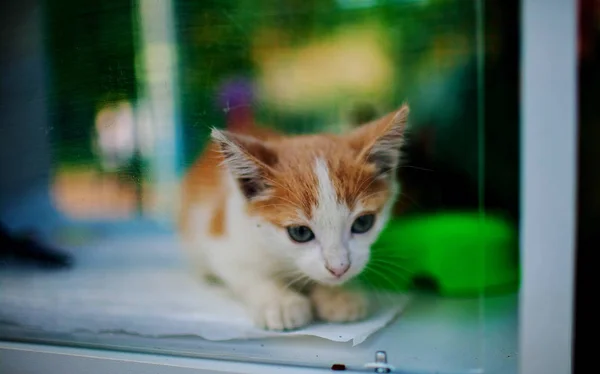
(380, 365)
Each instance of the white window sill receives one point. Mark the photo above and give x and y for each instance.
(433, 335)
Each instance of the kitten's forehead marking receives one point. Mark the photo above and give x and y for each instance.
(327, 195)
(330, 213)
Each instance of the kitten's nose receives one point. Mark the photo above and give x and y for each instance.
(338, 269)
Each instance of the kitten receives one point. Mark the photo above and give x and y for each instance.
(265, 213)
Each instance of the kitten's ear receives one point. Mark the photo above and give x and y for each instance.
(379, 142)
(247, 158)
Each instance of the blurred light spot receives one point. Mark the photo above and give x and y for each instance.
(115, 135)
(353, 63)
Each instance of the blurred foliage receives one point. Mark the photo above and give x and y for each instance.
(211, 48)
(432, 46)
(91, 49)
(217, 38)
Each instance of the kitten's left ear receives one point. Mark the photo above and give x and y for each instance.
(247, 158)
(379, 142)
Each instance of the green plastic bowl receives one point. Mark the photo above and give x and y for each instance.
(458, 254)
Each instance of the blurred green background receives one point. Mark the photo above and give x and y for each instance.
(294, 65)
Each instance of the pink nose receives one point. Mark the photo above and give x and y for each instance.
(338, 270)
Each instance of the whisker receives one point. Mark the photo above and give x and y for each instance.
(390, 249)
(290, 202)
(369, 181)
(393, 262)
(306, 282)
(291, 191)
(371, 194)
(415, 167)
(274, 205)
(294, 281)
(359, 187)
(379, 270)
(394, 287)
(286, 272)
(392, 265)
(403, 194)
(391, 257)
(281, 185)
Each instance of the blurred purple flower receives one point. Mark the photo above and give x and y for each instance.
(235, 93)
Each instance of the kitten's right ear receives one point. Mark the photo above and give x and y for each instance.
(247, 158)
(379, 142)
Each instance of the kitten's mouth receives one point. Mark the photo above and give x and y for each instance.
(335, 281)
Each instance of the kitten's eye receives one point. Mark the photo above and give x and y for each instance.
(363, 224)
(300, 234)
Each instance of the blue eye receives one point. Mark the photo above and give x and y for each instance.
(300, 234)
(363, 224)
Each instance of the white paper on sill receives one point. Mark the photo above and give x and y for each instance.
(139, 285)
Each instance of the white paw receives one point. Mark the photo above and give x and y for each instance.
(291, 311)
(339, 305)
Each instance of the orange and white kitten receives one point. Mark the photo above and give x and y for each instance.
(264, 212)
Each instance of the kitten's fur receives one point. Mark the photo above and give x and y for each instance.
(247, 188)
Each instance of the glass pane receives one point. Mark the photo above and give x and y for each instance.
(127, 95)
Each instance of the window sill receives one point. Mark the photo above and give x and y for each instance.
(432, 335)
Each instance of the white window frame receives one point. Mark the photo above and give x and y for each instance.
(32, 358)
(548, 184)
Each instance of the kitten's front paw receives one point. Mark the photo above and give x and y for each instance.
(338, 305)
(291, 311)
